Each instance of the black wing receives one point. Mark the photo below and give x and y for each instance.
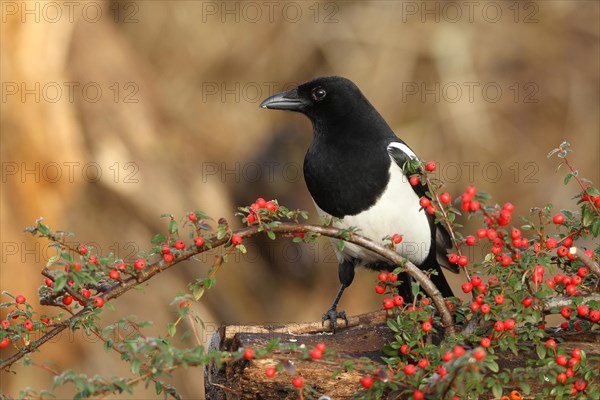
(441, 240)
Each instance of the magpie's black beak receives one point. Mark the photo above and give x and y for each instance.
(285, 101)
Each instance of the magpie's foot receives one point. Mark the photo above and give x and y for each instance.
(332, 315)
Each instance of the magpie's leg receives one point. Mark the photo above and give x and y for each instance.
(346, 275)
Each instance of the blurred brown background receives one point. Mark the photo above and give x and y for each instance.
(116, 112)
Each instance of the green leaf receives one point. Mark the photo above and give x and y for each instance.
(592, 191)
(340, 245)
(108, 345)
(497, 390)
(271, 235)
(136, 363)
(172, 226)
(172, 329)
(568, 178)
(588, 216)
(541, 351)
(158, 238)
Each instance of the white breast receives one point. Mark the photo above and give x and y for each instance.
(396, 211)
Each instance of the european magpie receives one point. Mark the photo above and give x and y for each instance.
(354, 171)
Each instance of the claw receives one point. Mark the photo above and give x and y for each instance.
(332, 315)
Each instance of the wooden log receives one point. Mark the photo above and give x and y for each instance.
(365, 336)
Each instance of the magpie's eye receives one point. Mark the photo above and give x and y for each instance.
(318, 93)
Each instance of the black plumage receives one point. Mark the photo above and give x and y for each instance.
(353, 171)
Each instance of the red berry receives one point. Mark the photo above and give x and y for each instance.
(551, 343)
(250, 219)
(447, 357)
(236, 240)
(248, 354)
(474, 206)
(594, 316)
(410, 369)
(139, 264)
(165, 249)
(458, 351)
(199, 241)
(561, 360)
(98, 302)
(576, 353)
(168, 257)
(467, 287)
(499, 326)
(424, 202)
(192, 216)
(527, 301)
(5, 324)
(414, 180)
(505, 260)
(28, 325)
(261, 203)
(583, 272)
(183, 304)
(485, 342)
(271, 206)
(93, 259)
(316, 354)
(426, 326)
(558, 219)
(382, 277)
(462, 261)
(476, 280)
(388, 303)
(551, 243)
(491, 234)
(49, 282)
(583, 310)
(568, 241)
(396, 238)
(392, 277)
(452, 258)
(499, 299)
(67, 299)
(566, 312)
(580, 385)
(298, 382)
(114, 274)
(179, 245)
(86, 293)
(445, 198)
(571, 290)
(470, 240)
(418, 395)
(423, 363)
(430, 166)
(379, 289)
(20, 299)
(561, 378)
(270, 372)
(509, 324)
(122, 266)
(479, 355)
(321, 347)
(562, 251)
(366, 382)
(398, 301)
(4, 342)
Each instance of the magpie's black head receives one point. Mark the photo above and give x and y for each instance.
(329, 97)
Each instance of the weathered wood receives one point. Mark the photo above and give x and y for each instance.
(364, 336)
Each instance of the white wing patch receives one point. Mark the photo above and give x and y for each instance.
(403, 148)
(396, 211)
